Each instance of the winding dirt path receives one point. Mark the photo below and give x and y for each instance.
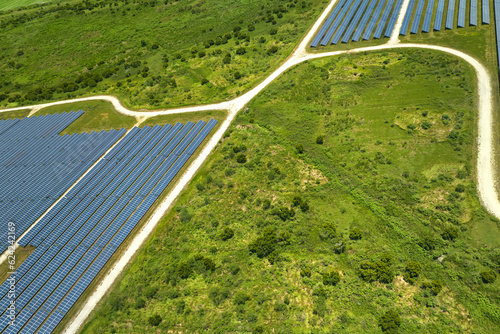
(485, 161)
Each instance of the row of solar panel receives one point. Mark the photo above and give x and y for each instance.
(86, 234)
(350, 18)
(28, 191)
(34, 127)
(450, 12)
(349, 14)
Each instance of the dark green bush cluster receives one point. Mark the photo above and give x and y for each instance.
(390, 322)
(449, 233)
(489, 276)
(355, 234)
(413, 269)
(305, 272)
(300, 202)
(283, 213)
(155, 320)
(328, 231)
(265, 244)
(227, 234)
(331, 278)
(435, 287)
(379, 271)
(218, 295)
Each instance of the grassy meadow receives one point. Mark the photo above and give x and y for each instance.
(340, 179)
(150, 54)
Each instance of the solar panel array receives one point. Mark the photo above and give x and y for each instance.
(76, 238)
(351, 19)
(37, 165)
(437, 12)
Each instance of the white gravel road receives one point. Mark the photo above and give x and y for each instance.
(485, 161)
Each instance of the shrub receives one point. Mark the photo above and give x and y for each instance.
(237, 75)
(434, 286)
(460, 188)
(305, 272)
(331, 278)
(320, 140)
(251, 27)
(411, 127)
(209, 264)
(150, 292)
(140, 303)
(272, 49)
(329, 231)
(236, 28)
(450, 233)
(241, 158)
(426, 125)
(154, 46)
(184, 270)
(241, 298)
(204, 81)
(262, 39)
(299, 148)
(279, 307)
(273, 31)
(241, 51)
(413, 268)
(489, 276)
(154, 320)
(390, 322)
(283, 212)
(355, 234)
(265, 244)
(227, 234)
(266, 204)
(218, 295)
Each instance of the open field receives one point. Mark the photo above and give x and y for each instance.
(395, 163)
(11, 4)
(153, 55)
(99, 115)
(14, 114)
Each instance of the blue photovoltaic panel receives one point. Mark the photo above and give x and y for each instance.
(473, 13)
(428, 16)
(394, 17)
(327, 24)
(354, 22)
(439, 15)
(461, 14)
(406, 20)
(364, 20)
(449, 14)
(346, 20)
(417, 17)
(383, 20)
(336, 23)
(373, 20)
(485, 11)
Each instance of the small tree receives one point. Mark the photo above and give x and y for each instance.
(320, 140)
(390, 322)
(489, 276)
(449, 233)
(241, 51)
(241, 158)
(227, 234)
(355, 234)
(154, 320)
(331, 278)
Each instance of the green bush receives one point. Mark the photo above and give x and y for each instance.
(266, 204)
(460, 188)
(328, 231)
(331, 278)
(299, 148)
(283, 212)
(218, 295)
(413, 268)
(154, 320)
(390, 322)
(227, 234)
(241, 158)
(320, 140)
(241, 298)
(435, 287)
(241, 51)
(265, 244)
(449, 233)
(355, 234)
(140, 303)
(426, 125)
(305, 272)
(150, 292)
(489, 276)
(204, 81)
(184, 270)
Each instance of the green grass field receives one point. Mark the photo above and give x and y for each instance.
(99, 115)
(396, 133)
(14, 114)
(154, 54)
(12, 4)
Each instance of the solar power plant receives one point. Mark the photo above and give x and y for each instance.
(37, 165)
(444, 7)
(76, 238)
(351, 19)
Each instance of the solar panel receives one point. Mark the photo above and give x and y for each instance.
(373, 20)
(428, 16)
(406, 19)
(394, 17)
(383, 19)
(327, 24)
